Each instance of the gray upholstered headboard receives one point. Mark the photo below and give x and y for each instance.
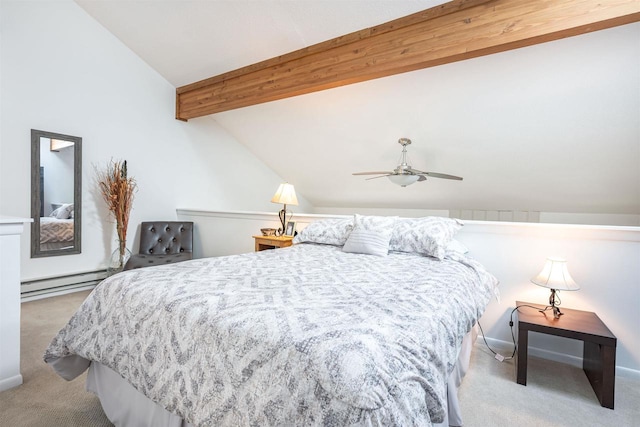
(166, 237)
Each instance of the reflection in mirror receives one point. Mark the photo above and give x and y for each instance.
(56, 166)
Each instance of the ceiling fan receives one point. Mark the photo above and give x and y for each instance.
(404, 174)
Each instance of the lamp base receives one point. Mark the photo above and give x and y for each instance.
(552, 305)
(283, 219)
(556, 311)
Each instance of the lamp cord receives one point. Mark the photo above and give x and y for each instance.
(513, 337)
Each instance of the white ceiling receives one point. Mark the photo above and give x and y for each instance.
(552, 127)
(187, 40)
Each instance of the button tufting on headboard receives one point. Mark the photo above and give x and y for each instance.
(165, 238)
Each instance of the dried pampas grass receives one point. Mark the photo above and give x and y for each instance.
(117, 191)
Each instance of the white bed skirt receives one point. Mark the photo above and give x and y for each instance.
(127, 407)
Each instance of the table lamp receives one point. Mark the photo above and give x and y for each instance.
(554, 275)
(286, 195)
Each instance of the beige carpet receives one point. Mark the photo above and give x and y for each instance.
(555, 395)
(45, 399)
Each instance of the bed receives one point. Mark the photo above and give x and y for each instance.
(55, 233)
(305, 335)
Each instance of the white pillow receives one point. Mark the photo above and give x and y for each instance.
(370, 235)
(327, 231)
(63, 212)
(427, 236)
(369, 242)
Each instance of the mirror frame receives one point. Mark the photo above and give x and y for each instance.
(36, 252)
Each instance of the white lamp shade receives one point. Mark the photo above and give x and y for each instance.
(286, 195)
(554, 275)
(403, 180)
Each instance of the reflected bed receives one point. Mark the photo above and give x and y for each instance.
(56, 233)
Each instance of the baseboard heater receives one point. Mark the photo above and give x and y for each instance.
(60, 284)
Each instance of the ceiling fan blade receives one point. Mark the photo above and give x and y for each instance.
(371, 173)
(441, 175)
(381, 176)
(405, 170)
(414, 171)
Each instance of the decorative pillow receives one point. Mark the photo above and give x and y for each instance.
(63, 212)
(375, 223)
(428, 236)
(327, 231)
(369, 242)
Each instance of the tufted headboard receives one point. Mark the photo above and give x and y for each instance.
(166, 237)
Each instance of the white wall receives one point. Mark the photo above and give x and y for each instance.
(1, 103)
(63, 72)
(409, 213)
(230, 232)
(593, 219)
(602, 260)
(547, 128)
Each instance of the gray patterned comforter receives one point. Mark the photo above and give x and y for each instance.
(306, 335)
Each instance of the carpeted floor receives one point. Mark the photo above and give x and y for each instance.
(555, 395)
(45, 399)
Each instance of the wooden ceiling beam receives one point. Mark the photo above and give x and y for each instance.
(453, 31)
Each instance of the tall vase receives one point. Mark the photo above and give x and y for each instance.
(118, 260)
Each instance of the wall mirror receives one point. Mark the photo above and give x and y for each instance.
(56, 189)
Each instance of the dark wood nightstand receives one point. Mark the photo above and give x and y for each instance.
(272, 242)
(599, 354)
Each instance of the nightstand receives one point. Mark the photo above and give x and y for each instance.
(272, 242)
(599, 354)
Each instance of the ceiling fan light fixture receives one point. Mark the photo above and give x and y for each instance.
(404, 174)
(403, 180)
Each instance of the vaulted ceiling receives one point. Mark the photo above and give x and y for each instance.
(552, 127)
